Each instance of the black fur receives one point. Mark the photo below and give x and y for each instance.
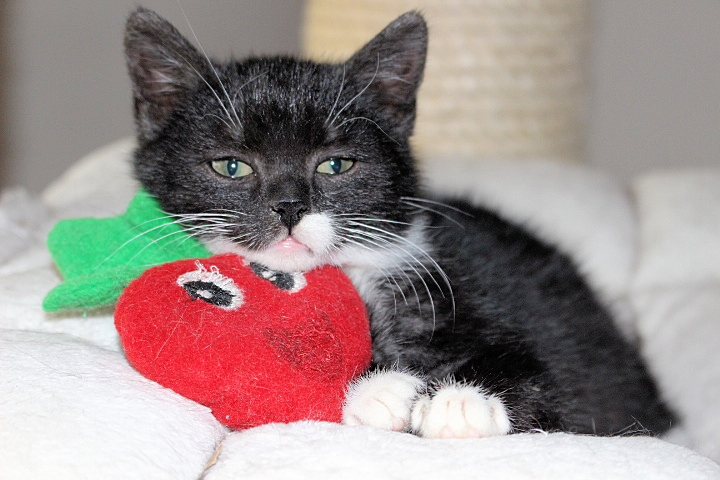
(527, 327)
(513, 315)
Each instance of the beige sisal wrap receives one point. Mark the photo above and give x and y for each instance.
(504, 78)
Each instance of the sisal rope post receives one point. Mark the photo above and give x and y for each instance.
(504, 78)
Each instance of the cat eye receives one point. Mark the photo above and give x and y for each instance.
(231, 167)
(335, 165)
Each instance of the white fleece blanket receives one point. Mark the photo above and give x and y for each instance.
(72, 408)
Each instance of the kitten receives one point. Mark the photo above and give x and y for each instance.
(478, 328)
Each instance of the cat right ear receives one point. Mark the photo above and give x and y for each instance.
(391, 67)
(163, 67)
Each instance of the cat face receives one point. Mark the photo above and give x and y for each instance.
(290, 163)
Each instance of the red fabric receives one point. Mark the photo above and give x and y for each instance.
(279, 357)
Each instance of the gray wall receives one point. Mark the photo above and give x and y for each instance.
(655, 77)
(655, 85)
(68, 90)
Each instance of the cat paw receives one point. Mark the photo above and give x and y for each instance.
(382, 399)
(459, 411)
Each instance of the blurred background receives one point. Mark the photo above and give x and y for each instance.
(626, 86)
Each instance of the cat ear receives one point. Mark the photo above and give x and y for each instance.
(163, 67)
(391, 65)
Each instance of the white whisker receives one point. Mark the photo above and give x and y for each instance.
(439, 204)
(337, 98)
(228, 125)
(239, 89)
(377, 69)
(385, 240)
(212, 90)
(358, 241)
(415, 247)
(360, 218)
(155, 241)
(136, 237)
(419, 206)
(214, 70)
(384, 272)
(371, 121)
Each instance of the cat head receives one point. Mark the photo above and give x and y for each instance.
(290, 163)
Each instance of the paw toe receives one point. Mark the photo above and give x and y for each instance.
(460, 412)
(383, 400)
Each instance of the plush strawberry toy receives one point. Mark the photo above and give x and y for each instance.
(254, 345)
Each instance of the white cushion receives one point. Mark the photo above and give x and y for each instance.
(676, 294)
(71, 410)
(308, 451)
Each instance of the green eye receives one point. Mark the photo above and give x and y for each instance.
(335, 165)
(231, 167)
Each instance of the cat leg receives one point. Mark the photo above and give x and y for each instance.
(455, 410)
(382, 399)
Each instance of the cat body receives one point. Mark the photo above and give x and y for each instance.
(478, 327)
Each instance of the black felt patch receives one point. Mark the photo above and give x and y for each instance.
(209, 292)
(282, 280)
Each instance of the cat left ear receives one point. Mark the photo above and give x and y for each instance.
(392, 65)
(164, 68)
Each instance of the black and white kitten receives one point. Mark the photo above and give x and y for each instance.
(478, 328)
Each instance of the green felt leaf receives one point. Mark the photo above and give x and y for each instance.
(99, 257)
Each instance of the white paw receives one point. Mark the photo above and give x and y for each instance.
(382, 399)
(460, 411)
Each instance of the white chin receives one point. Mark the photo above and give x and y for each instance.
(295, 261)
(308, 247)
(287, 262)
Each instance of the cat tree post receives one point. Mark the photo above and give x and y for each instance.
(504, 78)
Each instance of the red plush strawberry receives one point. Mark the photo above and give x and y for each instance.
(256, 346)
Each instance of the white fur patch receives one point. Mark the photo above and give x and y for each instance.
(406, 260)
(412, 248)
(315, 231)
(382, 399)
(460, 411)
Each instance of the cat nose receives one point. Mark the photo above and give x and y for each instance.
(290, 212)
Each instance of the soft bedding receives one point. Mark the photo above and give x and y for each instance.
(72, 408)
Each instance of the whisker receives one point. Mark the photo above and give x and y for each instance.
(212, 224)
(337, 98)
(205, 217)
(377, 69)
(207, 229)
(356, 240)
(374, 239)
(152, 242)
(418, 249)
(360, 218)
(212, 90)
(433, 210)
(214, 70)
(439, 204)
(244, 236)
(246, 84)
(383, 271)
(396, 239)
(141, 234)
(230, 127)
(371, 121)
(211, 220)
(227, 211)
